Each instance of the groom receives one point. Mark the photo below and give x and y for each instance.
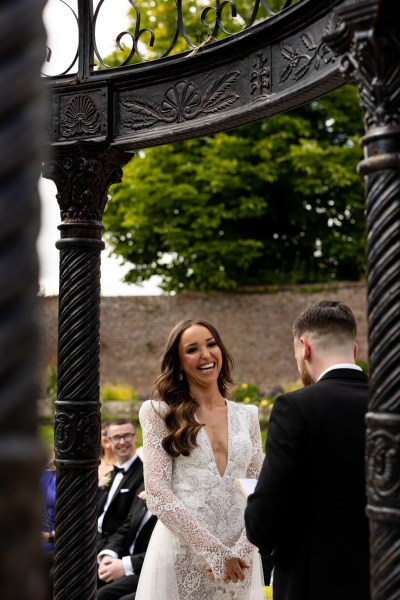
(308, 507)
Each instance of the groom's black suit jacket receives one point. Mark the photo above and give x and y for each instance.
(309, 503)
(117, 512)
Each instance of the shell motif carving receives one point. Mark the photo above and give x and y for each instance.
(81, 117)
(181, 102)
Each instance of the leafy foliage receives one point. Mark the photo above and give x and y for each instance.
(274, 202)
(118, 392)
(52, 380)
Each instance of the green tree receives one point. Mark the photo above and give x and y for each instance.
(275, 202)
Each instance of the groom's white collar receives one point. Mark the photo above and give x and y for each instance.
(340, 366)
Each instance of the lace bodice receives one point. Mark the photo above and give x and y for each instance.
(202, 508)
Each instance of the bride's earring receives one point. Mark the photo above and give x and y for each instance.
(180, 376)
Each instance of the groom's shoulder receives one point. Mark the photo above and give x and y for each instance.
(299, 397)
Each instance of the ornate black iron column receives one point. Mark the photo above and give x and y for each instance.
(370, 42)
(83, 173)
(22, 457)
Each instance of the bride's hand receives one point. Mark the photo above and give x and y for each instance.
(235, 570)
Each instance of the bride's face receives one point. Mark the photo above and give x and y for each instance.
(200, 356)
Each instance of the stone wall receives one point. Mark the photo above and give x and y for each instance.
(257, 328)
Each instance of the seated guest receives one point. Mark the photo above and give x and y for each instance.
(124, 483)
(48, 484)
(121, 561)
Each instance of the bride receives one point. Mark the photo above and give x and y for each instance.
(196, 443)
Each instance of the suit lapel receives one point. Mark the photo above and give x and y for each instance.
(128, 478)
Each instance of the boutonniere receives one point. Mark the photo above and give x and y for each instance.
(143, 496)
(105, 481)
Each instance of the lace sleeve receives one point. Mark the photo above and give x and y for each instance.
(163, 502)
(257, 458)
(243, 547)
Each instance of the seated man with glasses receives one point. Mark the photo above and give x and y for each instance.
(124, 525)
(125, 482)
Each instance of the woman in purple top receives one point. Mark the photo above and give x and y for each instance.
(48, 483)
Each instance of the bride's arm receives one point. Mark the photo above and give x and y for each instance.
(164, 503)
(243, 547)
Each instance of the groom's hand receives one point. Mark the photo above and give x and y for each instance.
(235, 570)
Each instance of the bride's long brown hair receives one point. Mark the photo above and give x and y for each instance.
(172, 388)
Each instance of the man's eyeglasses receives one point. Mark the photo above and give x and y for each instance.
(127, 437)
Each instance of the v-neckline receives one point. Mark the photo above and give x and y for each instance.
(228, 445)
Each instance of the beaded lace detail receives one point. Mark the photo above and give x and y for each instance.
(202, 508)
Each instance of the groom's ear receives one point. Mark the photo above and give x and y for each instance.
(305, 348)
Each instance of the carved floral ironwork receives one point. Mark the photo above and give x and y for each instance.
(383, 465)
(77, 432)
(300, 61)
(82, 183)
(379, 95)
(260, 77)
(181, 102)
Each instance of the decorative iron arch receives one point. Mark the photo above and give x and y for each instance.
(96, 121)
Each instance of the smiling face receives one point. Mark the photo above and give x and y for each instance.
(200, 356)
(123, 441)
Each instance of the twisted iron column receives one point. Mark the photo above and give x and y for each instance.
(22, 457)
(83, 173)
(370, 41)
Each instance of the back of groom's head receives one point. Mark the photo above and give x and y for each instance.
(327, 319)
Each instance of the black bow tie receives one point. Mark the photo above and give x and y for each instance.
(119, 470)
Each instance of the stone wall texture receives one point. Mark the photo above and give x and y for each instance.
(257, 329)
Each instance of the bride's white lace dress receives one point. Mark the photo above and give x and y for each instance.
(201, 513)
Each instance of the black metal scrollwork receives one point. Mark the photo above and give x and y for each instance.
(83, 174)
(370, 49)
(139, 41)
(49, 53)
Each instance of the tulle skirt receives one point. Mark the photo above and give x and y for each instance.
(171, 571)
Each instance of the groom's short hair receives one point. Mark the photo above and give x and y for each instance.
(328, 317)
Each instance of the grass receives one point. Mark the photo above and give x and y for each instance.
(263, 437)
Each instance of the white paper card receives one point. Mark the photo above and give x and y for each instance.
(246, 486)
